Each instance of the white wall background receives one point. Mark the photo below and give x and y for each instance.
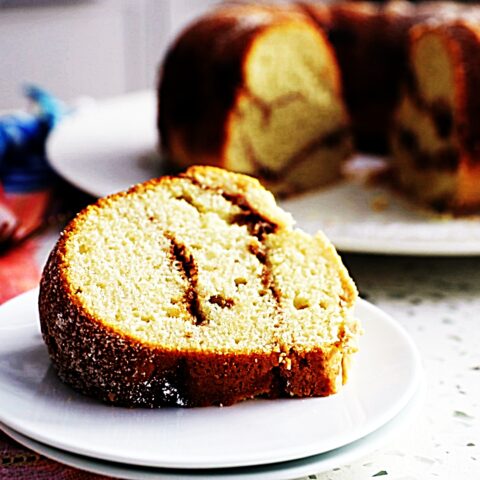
(95, 48)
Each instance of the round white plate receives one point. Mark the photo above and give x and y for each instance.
(35, 403)
(112, 144)
(108, 146)
(277, 471)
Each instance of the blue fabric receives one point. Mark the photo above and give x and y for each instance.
(23, 162)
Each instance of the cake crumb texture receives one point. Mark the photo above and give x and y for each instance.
(196, 290)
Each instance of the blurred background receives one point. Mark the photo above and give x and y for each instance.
(98, 48)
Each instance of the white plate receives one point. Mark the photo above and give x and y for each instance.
(346, 213)
(108, 146)
(35, 403)
(111, 145)
(277, 471)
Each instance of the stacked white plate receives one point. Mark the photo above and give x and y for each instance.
(258, 439)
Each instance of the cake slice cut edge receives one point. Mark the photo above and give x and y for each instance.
(196, 290)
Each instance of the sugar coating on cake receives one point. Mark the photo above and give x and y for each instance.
(196, 290)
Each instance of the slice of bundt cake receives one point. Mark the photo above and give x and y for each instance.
(196, 290)
(255, 89)
(436, 136)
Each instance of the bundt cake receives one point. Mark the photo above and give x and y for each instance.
(196, 290)
(255, 89)
(264, 90)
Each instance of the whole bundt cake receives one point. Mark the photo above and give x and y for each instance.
(280, 91)
(196, 290)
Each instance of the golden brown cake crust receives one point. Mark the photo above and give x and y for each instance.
(99, 361)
